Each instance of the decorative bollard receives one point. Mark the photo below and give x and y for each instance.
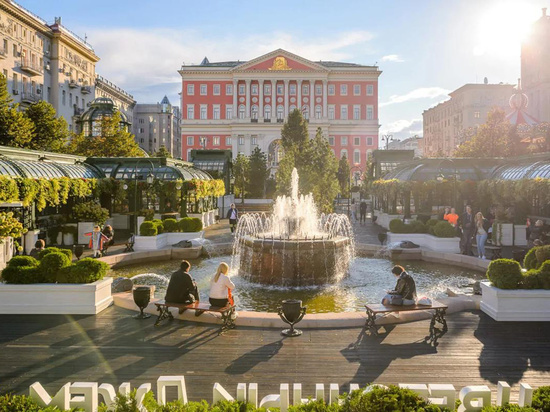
(142, 296)
(78, 251)
(292, 312)
(382, 238)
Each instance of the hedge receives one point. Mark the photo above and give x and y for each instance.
(505, 273)
(52, 249)
(444, 229)
(170, 225)
(148, 228)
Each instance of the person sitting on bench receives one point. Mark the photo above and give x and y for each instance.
(220, 287)
(182, 288)
(404, 289)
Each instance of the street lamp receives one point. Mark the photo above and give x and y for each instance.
(150, 178)
(387, 138)
(356, 166)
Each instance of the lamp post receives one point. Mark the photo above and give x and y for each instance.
(355, 166)
(150, 177)
(387, 138)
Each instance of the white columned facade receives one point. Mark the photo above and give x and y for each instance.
(274, 100)
(312, 103)
(299, 95)
(286, 98)
(261, 105)
(235, 111)
(247, 115)
(325, 100)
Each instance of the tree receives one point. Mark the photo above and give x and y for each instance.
(15, 128)
(112, 140)
(241, 173)
(257, 173)
(294, 134)
(162, 152)
(343, 175)
(50, 132)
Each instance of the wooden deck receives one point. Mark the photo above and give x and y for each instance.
(114, 348)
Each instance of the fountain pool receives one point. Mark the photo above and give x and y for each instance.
(367, 282)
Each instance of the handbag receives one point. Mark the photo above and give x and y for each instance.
(390, 299)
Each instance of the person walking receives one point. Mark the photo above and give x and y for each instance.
(233, 216)
(467, 224)
(221, 287)
(482, 226)
(363, 211)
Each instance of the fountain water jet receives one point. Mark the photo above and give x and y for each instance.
(303, 248)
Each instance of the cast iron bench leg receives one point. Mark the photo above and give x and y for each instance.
(371, 322)
(435, 333)
(227, 321)
(164, 313)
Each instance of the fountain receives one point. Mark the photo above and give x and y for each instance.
(295, 246)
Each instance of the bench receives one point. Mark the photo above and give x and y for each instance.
(227, 312)
(496, 251)
(438, 308)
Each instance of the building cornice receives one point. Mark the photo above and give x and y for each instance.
(107, 86)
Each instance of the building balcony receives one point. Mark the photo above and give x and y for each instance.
(28, 97)
(86, 89)
(267, 120)
(78, 111)
(34, 69)
(73, 84)
(280, 120)
(253, 120)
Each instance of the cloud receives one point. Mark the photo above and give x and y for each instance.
(402, 129)
(420, 93)
(144, 62)
(392, 58)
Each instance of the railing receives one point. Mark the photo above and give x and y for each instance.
(29, 97)
(31, 67)
(73, 84)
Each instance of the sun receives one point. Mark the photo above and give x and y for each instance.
(502, 28)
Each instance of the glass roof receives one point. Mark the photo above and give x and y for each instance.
(8, 169)
(430, 169)
(523, 171)
(39, 169)
(129, 172)
(80, 170)
(218, 165)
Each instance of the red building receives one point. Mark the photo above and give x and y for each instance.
(240, 105)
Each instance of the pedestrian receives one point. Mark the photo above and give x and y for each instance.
(363, 211)
(404, 292)
(96, 241)
(445, 213)
(482, 226)
(233, 216)
(451, 217)
(467, 224)
(536, 233)
(39, 246)
(181, 287)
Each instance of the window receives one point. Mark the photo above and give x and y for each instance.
(318, 90)
(228, 141)
(204, 111)
(343, 90)
(344, 112)
(331, 90)
(343, 140)
(216, 90)
(280, 90)
(305, 89)
(190, 89)
(228, 111)
(15, 50)
(203, 89)
(356, 112)
(292, 108)
(242, 89)
(331, 111)
(254, 90)
(216, 112)
(319, 112)
(356, 156)
(356, 89)
(370, 89)
(370, 112)
(216, 140)
(255, 140)
(477, 115)
(267, 89)
(369, 141)
(190, 111)
(356, 141)
(242, 109)
(188, 154)
(190, 141)
(331, 140)
(343, 153)
(6, 46)
(229, 90)
(280, 112)
(15, 82)
(254, 112)
(267, 112)
(305, 112)
(70, 97)
(241, 140)
(63, 97)
(292, 89)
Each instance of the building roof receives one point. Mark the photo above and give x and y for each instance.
(165, 100)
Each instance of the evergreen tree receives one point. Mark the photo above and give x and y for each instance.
(162, 152)
(241, 173)
(294, 134)
(257, 173)
(323, 173)
(50, 132)
(15, 128)
(343, 175)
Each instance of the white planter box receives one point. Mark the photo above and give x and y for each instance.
(384, 219)
(426, 241)
(164, 240)
(527, 305)
(56, 299)
(6, 251)
(507, 238)
(84, 227)
(519, 235)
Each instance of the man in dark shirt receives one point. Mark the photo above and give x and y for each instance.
(182, 288)
(363, 211)
(467, 224)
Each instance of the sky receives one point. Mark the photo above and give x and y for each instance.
(425, 48)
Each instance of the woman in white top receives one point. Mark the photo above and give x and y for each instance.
(220, 287)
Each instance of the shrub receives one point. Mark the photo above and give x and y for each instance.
(22, 403)
(148, 228)
(386, 400)
(22, 275)
(170, 225)
(531, 280)
(543, 254)
(196, 224)
(49, 250)
(423, 218)
(444, 229)
(541, 399)
(148, 213)
(18, 261)
(544, 275)
(86, 270)
(397, 226)
(90, 212)
(158, 224)
(504, 273)
(432, 222)
(317, 405)
(530, 259)
(416, 226)
(51, 265)
(509, 407)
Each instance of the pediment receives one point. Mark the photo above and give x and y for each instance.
(280, 61)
